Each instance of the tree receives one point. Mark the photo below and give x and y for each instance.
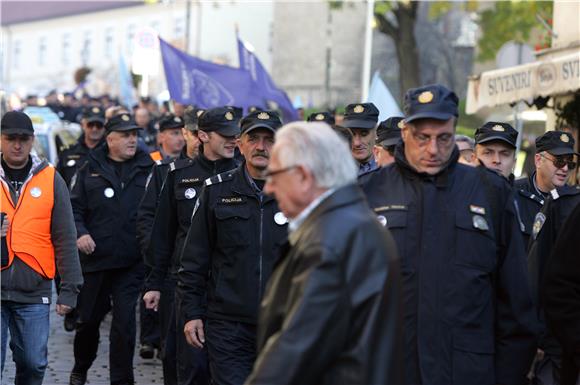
(511, 20)
(397, 20)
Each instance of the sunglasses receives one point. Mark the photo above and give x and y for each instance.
(561, 161)
(95, 125)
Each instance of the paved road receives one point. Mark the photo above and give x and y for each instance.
(61, 361)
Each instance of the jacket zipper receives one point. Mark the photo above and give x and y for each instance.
(261, 252)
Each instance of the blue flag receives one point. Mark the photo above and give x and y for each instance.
(380, 95)
(125, 84)
(263, 83)
(207, 85)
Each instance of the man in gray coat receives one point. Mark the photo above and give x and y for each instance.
(331, 313)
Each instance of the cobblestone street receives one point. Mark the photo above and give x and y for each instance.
(60, 359)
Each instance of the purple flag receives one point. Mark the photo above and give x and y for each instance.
(263, 83)
(198, 82)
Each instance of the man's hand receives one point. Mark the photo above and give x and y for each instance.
(5, 224)
(62, 309)
(86, 244)
(151, 299)
(194, 333)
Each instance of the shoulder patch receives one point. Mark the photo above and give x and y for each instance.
(532, 196)
(538, 224)
(219, 178)
(179, 164)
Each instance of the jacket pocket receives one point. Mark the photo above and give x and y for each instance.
(233, 226)
(473, 357)
(475, 245)
(396, 222)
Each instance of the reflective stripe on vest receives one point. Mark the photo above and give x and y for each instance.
(29, 237)
(156, 155)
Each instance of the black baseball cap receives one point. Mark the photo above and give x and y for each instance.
(556, 143)
(94, 114)
(16, 122)
(322, 116)
(265, 119)
(492, 131)
(223, 120)
(170, 121)
(121, 122)
(433, 101)
(389, 131)
(361, 115)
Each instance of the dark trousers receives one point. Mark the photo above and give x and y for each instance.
(231, 350)
(149, 321)
(182, 363)
(117, 290)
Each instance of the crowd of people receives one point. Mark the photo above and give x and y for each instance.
(322, 251)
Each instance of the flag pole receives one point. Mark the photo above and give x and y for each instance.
(366, 72)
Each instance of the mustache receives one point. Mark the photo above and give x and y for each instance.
(261, 153)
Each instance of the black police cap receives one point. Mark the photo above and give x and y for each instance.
(433, 101)
(492, 131)
(254, 108)
(170, 121)
(389, 131)
(16, 122)
(325, 117)
(265, 119)
(121, 122)
(361, 115)
(223, 120)
(94, 114)
(556, 143)
(190, 117)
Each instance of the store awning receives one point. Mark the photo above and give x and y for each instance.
(524, 82)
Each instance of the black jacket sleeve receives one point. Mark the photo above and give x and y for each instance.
(79, 201)
(196, 259)
(146, 212)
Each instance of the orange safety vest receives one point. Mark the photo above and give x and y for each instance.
(156, 155)
(29, 237)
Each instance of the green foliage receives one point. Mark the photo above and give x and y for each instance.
(510, 20)
(467, 124)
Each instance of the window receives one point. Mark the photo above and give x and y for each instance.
(66, 49)
(16, 54)
(109, 42)
(86, 48)
(42, 51)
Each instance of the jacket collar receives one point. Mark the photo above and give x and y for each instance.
(215, 166)
(343, 196)
(440, 179)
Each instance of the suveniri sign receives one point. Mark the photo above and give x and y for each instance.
(525, 82)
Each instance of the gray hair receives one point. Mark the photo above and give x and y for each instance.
(318, 148)
(466, 139)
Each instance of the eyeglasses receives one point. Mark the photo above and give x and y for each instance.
(561, 161)
(441, 140)
(270, 174)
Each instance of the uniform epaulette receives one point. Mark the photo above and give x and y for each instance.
(179, 164)
(531, 195)
(158, 162)
(219, 178)
(564, 191)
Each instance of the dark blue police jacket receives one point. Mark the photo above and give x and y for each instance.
(469, 316)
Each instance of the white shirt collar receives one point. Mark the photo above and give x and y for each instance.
(295, 223)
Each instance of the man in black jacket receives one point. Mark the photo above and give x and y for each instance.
(331, 313)
(71, 159)
(228, 256)
(217, 129)
(469, 315)
(105, 195)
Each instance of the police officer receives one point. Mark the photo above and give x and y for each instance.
(217, 129)
(557, 148)
(468, 311)
(170, 138)
(232, 240)
(105, 194)
(71, 159)
(495, 147)
(388, 136)
(322, 116)
(146, 214)
(171, 142)
(553, 161)
(362, 120)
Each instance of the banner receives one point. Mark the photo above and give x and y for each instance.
(126, 93)
(263, 84)
(204, 84)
